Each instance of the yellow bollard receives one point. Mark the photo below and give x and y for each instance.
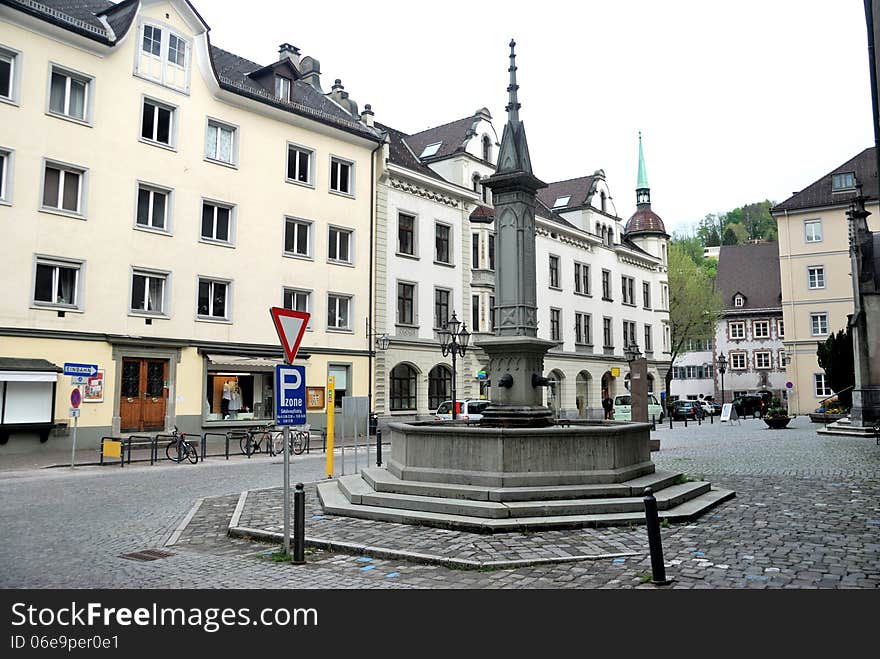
(331, 408)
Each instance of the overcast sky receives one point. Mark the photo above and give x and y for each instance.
(737, 101)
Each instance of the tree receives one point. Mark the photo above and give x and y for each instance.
(835, 356)
(694, 305)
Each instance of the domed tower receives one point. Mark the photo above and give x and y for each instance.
(645, 228)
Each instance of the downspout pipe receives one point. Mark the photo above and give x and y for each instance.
(872, 69)
(370, 339)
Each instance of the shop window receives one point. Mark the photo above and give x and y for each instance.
(239, 396)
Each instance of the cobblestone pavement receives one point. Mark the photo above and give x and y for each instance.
(806, 515)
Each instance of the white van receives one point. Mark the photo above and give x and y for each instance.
(465, 410)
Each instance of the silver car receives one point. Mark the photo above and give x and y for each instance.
(466, 410)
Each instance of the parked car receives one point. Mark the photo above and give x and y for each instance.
(707, 407)
(686, 409)
(465, 410)
(748, 405)
(623, 409)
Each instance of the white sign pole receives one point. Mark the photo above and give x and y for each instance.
(287, 490)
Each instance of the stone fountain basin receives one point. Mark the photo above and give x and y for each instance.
(585, 452)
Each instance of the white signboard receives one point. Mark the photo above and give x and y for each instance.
(728, 412)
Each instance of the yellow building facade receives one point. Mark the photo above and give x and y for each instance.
(159, 196)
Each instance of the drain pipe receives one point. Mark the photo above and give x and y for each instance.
(370, 330)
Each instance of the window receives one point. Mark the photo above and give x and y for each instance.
(342, 377)
(554, 324)
(843, 181)
(609, 237)
(441, 243)
(491, 251)
(282, 88)
(582, 278)
(627, 286)
(431, 150)
(298, 300)
(441, 307)
(649, 343)
(406, 234)
(816, 276)
(561, 202)
(152, 207)
(780, 329)
(216, 222)
(737, 330)
(157, 123)
(783, 359)
(8, 74)
(667, 337)
(403, 388)
(299, 164)
(737, 361)
(57, 283)
(813, 231)
(5, 176)
(406, 294)
(607, 333)
(163, 57)
(761, 329)
(646, 294)
(603, 201)
(341, 179)
(475, 313)
(439, 386)
(339, 245)
(738, 301)
(629, 333)
(487, 148)
(762, 360)
(664, 295)
(819, 323)
(475, 251)
(583, 329)
(213, 299)
(69, 94)
(554, 272)
(176, 51)
(152, 40)
(690, 372)
(63, 188)
(220, 142)
(148, 292)
(297, 237)
(606, 285)
(491, 313)
(476, 182)
(821, 385)
(338, 312)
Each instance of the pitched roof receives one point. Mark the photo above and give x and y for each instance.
(753, 270)
(121, 16)
(578, 189)
(80, 16)
(400, 153)
(819, 194)
(451, 136)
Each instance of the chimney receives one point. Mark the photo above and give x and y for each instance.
(289, 51)
(339, 95)
(311, 72)
(367, 115)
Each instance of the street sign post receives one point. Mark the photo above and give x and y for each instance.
(80, 369)
(290, 325)
(79, 375)
(290, 410)
(75, 397)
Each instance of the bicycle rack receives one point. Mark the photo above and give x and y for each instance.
(154, 456)
(225, 437)
(239, 435)
(121, 452)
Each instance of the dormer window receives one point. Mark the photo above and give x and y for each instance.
(738, 301)
(282, 88)
(561, 202)
(431, 150)
(602, 199)
(163, 57)
(843, 181)
(487, 148)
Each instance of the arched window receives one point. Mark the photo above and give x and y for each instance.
(439, 386)
(602, 200)
(476, 180)
(487, 148)
(485, 194)
(610, 236)
(403, 387)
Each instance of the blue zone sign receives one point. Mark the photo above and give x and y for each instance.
(290, 395)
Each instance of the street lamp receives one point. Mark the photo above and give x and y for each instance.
(632, 352)
(722, 366)
(454, 340)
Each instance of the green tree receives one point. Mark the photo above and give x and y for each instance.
(734, 234)
(835, 356)
(694, 305)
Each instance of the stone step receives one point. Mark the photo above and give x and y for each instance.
(334, 502)
(383, 480)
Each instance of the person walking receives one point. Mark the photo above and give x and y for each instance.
(608, 406)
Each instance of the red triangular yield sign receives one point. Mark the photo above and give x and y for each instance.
(290, 325)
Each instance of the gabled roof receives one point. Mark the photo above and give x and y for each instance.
(819, 194)
(400, 154)
(120, 16)
(79, 16)
(452, 137)
(578, 189)
(751, 270)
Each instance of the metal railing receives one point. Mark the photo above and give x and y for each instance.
(834, 395)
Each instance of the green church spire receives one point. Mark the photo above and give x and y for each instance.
(643, 194)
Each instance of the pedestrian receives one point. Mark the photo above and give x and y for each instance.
(608, 406)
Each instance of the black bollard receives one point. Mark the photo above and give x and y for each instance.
(685, 420)
(653, 422)
(712, 419)
(378, 447)
(652, 521)
(699, 419)
(299, 524)
(670, 421)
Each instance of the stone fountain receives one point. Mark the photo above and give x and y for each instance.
(516, 470)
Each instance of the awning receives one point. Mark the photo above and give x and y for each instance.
(240, 364)
(15, 369)
(28, 376)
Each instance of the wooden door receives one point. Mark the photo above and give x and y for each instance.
(143, 394)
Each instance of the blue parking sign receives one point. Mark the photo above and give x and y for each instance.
(290, 395)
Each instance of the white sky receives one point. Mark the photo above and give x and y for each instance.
(736, 101)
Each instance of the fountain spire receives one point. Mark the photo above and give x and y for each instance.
(513, 104)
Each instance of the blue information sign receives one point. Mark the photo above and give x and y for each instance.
(80, 369)
(290, 395)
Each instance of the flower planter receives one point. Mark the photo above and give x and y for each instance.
(777, 422)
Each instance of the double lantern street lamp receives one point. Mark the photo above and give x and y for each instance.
(632, 352)
(722, 366)
(454, 339)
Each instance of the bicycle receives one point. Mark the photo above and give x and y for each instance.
(255, 439)
(179, 449)
(299, 439)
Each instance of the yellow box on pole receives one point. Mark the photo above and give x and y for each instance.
(331, 407)
(615, 372)
(112, 449)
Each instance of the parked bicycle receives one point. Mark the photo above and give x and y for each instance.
(299, 439)
(257, 440)
(179, 449)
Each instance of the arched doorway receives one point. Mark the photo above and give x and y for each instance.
(402, 393)
(582, 393)
(555, 391)
(439, 386)
(608, 381)
(651, 384)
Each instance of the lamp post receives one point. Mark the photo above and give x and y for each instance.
(454, 339)
(722, 366)
(632, 352)
(638, 384)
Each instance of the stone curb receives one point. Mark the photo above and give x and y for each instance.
(175, 535)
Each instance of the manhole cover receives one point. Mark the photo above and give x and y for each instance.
(147, 555)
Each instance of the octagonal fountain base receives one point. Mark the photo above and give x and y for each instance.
(500, 479)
